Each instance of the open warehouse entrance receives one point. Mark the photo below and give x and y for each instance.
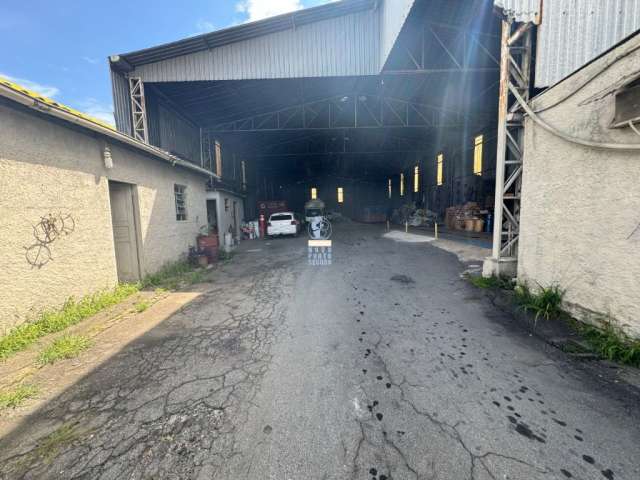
(367, 105)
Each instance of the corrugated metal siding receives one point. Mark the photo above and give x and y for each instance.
(121, 102)
(393, 14)
(574, 32)
(520, 10)
(178, 136)
(341, 46)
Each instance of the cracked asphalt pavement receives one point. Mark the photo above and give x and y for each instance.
(385, 365)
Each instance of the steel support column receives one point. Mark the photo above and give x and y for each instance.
(138, 110)
(515, 73)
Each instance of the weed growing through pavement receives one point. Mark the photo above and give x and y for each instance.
(612, 343)
(15, 397)
(142, 306)
(68, 346)
(491, 282)
(546, 302)
(174, 275)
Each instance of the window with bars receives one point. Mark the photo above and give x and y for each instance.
(440, 169)
(477, 155)
(402, 184)
(180, 192)
(340, 195)
(416, 179)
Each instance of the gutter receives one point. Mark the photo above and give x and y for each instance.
(54, 111)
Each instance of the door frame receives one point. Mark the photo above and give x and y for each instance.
(135, 205)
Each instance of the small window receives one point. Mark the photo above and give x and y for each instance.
(314, 193)
(477, 155)
(180, 192)
(402, 184)
(226, 204)
(627, 105)
(340, 195)
(416, 179)
(440, 169)
(389, 188)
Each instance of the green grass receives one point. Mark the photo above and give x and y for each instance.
(225, 256)
(142, 306)
(15, 397)
(611, 343)
(490, 283)
(68, 346)
(546, 302)
(50, 446)
(173, 275)
(71, 313)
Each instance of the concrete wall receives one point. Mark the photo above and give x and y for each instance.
(581, 206)
(225, 213)
(50, 168)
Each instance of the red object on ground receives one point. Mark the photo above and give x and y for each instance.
(209, 245)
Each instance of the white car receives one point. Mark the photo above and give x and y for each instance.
(283, 223)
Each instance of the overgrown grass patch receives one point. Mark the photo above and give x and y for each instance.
(15, 397)
(142, 306)
(545, 303)
(174, 275)
(71, 313)
(490, 283)
(68, 346)
(612, 343)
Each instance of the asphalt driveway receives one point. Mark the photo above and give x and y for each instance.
(385, 365)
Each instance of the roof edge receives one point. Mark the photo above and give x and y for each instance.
(245, 31)
(55, 110)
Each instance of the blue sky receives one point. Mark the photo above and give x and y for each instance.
(60, 48)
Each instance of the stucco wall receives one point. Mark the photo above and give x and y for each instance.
(225, 216)
(581, 206)
(50, 168)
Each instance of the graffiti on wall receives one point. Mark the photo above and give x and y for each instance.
(46, 232)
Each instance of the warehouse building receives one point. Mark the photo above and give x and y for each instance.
(388, 102)
(372, 105)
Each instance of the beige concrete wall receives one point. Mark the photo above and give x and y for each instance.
(225, 216)
(50, 168)
(581, 206)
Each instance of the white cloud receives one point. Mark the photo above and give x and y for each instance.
(96, 109)
(91, 60)
(259, 9)
(45, 90)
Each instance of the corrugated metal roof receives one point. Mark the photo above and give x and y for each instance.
(244, 32)
(340, 46)
(573, 32)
